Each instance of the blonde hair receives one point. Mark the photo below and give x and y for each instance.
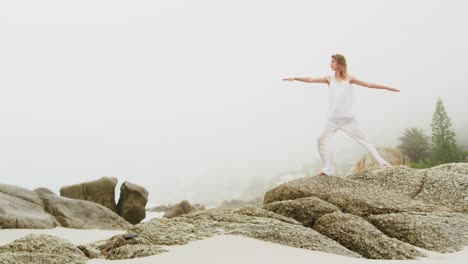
(343, 67)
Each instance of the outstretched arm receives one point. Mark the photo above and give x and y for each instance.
(372, 85)
(307, 79)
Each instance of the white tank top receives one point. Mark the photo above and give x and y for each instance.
(341, 98)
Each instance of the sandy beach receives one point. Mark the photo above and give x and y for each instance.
(223, 249)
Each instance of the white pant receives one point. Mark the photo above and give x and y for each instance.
(351, 127)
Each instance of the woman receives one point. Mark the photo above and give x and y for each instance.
(341, 111)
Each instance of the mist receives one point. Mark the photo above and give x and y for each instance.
(186, 99)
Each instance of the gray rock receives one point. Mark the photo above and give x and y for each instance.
(442, 232)
(351, 196)
(82, 214)
(360, 236)
(400, 178)
(132, 202)
(305, 210)
(101, 191)
(446, 185)
(22, 208)
(446, 188)
(126, 246)
(250, 221)
(41, 249)
(460, 167)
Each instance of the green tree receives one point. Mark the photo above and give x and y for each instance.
(415, 144)
(444, 147)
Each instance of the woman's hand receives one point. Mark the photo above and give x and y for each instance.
(289, 79)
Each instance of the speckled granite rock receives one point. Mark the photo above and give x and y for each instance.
(360, 236)
(446, 185)
(41, 249)
(351, 196)
(250, 221)
(443, 232)
(305, 210)
(400, 178)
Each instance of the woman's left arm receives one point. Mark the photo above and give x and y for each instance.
(371, 85)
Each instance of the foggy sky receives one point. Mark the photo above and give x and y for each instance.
(186, 98)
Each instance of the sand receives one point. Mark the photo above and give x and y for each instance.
(224, 249)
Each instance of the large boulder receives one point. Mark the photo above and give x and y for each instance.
(81, 214)
(22, 208)
(446, 185)
(305, 210)
(132, 202)
(350, 196)
(358, 235)
(442, 232)
(101, 191)
(41, 249)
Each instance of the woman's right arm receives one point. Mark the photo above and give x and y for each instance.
(308, 79)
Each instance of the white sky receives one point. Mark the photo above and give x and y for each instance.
(186, 98)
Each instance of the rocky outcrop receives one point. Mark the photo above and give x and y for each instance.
(384, 210)
(391, 155)
(101, 191)
(442, 232)
(360, 236)
(22, 208)
(250, 221)
(446, 185)
(41, 249)
(41, 208)
(81, 214)
(132, 202)
(305, 210)
(350, 196)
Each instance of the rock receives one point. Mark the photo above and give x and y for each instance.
(305, 210)
(459, 167)
(101, 191)
(250, 221)
(43, 191)
(446, 188)
(391, 155)
(442, 232)
(82, 214)
(126, 246)
(358, 235)
(22, 208)
(350, 196)
(446, 185)
(399, 178)
(132, 202)
(240, 203)
(41, 249)
(183, 207)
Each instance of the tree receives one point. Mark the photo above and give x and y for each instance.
(444, 147)
(415, 144)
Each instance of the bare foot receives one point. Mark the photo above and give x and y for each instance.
(321, 173)
(387, 165)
